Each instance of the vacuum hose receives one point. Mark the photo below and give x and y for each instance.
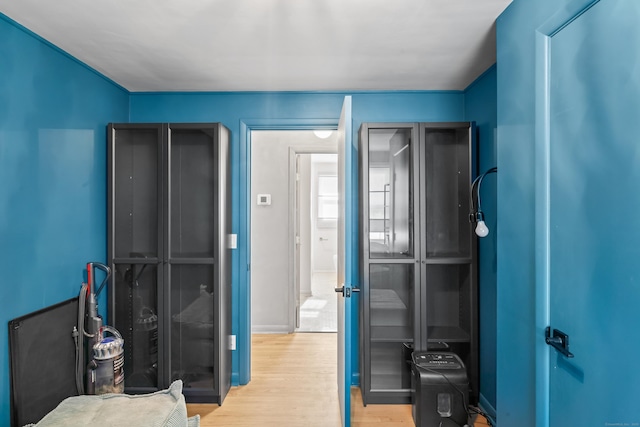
(93, 323)
(79, 334)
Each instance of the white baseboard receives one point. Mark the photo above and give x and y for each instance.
(270, 329)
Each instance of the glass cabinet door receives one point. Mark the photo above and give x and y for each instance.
(390, 195)
(447, 178)
(191, 193)
(135, 180)
(192, 326)
(136, 318)
(391, 302)
(389, 265)
(448, 274)
(191, 256)
(135, 217)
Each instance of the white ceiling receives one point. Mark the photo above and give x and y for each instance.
(272, 45)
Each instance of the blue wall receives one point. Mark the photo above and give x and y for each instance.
(283, 110)
(53, 117)
(480, 106)
(516, 386)
(523, 275)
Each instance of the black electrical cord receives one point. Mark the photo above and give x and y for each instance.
(481, 412)
(78, 363)
(78, 335)
(476, 206)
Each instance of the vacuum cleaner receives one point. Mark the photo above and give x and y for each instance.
(104, 373)
(142, 353)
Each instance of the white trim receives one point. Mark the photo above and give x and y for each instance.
(270, 329)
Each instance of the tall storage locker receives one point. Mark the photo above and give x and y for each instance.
(169, 218)
(417, 252)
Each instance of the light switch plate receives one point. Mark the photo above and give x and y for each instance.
(232, 342)
(232, 241)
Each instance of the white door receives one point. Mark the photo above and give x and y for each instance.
(297, 237)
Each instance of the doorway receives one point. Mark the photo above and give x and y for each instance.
(293, 238)
(315, 207)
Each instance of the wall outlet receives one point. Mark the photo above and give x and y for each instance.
(232, 342)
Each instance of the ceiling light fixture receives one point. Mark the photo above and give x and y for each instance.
(323, 134)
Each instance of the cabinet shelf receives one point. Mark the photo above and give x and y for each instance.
(151, 260)
(194, 260)
(391, 334)
(448, 260)
(447, 334)
(384, 256)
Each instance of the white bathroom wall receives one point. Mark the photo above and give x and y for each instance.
(324, 233)
(305, 225)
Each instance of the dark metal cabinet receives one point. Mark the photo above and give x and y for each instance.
(168, 222)
(417, 252)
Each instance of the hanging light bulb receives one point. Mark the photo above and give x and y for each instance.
(481, 229)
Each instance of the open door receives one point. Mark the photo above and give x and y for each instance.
(345, 261)
(297, 237)
(592, 173)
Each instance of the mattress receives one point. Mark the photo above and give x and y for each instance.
(164, 408)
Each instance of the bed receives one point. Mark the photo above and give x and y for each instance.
(159, 409)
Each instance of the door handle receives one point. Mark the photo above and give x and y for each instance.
(558, 340)
(346, 292)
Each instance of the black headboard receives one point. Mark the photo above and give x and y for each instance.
(42, 361)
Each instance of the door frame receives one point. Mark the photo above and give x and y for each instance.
(241, 296)
(543, 37)
(294, 284)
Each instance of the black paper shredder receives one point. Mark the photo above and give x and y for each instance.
(440, 388)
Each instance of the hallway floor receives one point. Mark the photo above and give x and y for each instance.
(319, 312)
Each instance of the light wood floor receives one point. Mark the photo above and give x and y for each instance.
(294, 383)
